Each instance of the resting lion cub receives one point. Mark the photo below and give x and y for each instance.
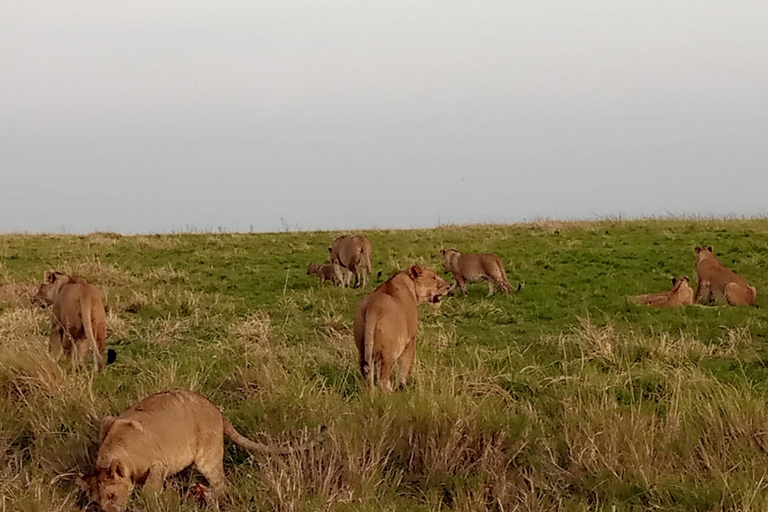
(159, 436)
(473, 268)
(77, 317)
(386, 322)
(681, 294)
(718, 281)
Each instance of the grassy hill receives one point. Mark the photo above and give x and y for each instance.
(563, 396)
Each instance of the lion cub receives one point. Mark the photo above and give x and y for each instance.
(386, 322)
(328, 272)
(718, 281)
(160, 436)
(681, 294)
(78, 319)
(473, 268)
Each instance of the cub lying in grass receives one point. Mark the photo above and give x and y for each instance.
(158, 437)
(681, 294)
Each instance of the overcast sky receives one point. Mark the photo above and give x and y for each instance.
(148, 116)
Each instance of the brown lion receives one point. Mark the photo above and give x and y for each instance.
(681, 294)
(327, 272)
(78, 319)
(158, 437)
(386, 322)
(352, 252)
(717, 281)
(474, 268)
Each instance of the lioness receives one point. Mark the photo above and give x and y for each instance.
(473, 268)
(78, 319)
(681, 294)
(352, 252)
(386, 322)
(718, 281)
(158, 437)
(328, 272)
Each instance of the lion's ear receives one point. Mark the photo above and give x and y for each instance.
(674, 281)
(697, 249)
(710, 249)
(330, 249)
(442, 251)
(50, 276)
(415, 271)
(116, 469)
(686, 279)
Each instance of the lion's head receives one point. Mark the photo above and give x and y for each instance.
(430, 287)
(109, 487)
(52, 281)
(702, 253)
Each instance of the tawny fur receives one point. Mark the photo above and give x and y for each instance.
(681, 294)
(327, 272)
(474, 268)
(77, 314)
(352, 252)
(387, 320)
(717, 281)
(158, 437)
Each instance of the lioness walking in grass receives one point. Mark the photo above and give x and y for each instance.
(474, 268)
(78, 318)
(386, 322)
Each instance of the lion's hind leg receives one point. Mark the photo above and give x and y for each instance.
(737, 295)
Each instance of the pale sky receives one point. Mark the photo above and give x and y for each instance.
(149, 116)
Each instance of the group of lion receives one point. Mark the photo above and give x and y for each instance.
(169, 431)
(715, 281)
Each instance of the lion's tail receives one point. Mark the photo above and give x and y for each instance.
(368, 338)
(87, 318)
(253, 446)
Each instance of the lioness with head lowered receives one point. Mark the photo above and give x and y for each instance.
(158, 437)
(681, 294)
(718, 281)
(387, 320)
(474, 268)
(352, 252)
(78, 319)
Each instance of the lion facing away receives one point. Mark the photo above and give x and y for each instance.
(717, 281)
(327, 272)
(352, 252)
(158, 437)
(387, 320)
(78, 318)
(681, 294)
(474, 268)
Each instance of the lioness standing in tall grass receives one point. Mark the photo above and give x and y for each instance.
(718, 281)
(474, 268)
(352, 252)
(78, 318)
(386, 322)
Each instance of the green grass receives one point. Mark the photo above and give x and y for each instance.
(563, 396)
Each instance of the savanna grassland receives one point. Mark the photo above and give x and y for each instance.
(563, 396)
